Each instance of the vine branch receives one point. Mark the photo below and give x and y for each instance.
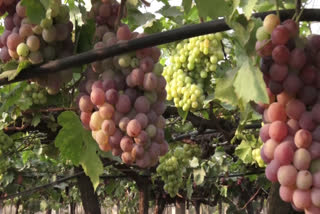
(147, 41)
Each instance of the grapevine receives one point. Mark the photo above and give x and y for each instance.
(291, 149)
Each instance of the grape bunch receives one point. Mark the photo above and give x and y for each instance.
(25, 41)
(291, 131)
(191, 69)
(173, 166)
(122, 98)
(36, 93)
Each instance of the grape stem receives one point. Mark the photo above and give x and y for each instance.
(298, 9)
(121, 13)
(185, 32)
(277, 8)
(251, 199)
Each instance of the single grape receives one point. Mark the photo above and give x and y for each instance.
(287, 175)
(302, 159)
(270, 22)
(302, 198)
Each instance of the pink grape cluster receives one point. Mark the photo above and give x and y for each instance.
(26, 41)
(291, 133)
(7, 6)
(122, 98)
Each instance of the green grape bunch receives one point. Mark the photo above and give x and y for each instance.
(174, 165)
(190, 70)
(36, 93)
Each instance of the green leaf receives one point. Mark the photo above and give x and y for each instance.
(10, 74)
(90, 161)
(11, 65)
(209, 99)
(183, 114)
(244, 152)
(248, 6)
(22, 65)
(169, 11)
(199, 175)
(85, 36)
(36, 120)
(224, 191)
(45, 3)
(77, 145)
(13, 96)
(70, 138)
(218, 8)
(225, 90)
(189, 186)
(194, 163)
(136, 18)
(133, 2)
(249, 84)
(186, 5)
(35, 10)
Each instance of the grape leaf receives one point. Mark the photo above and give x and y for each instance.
(224, 90)
(199, 175)
(36, 120)
(168, 11)
(186, 5)
(249, 84)
(244, 152)
(12, 97)
(248, 6)
(85, 36)
(76, 144)
(35, 10)
(9, 65)
(189, 186)
(214, 10)
(11, 74)
(70, 138)
(183, 114)
(90, 161)
(137, 18)
(194, 163)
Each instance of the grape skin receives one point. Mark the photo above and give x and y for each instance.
(278, 131)
(286, 193)
(277, 112)
(287, 175)
(304, 180)
(303, 138)
(271, 171)
(270, 22)
(302, 159)
(302, 199)
(284, 153)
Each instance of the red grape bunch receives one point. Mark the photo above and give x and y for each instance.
(122, 98)
(23, 40)
(291, 131)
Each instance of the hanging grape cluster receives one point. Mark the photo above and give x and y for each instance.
(51, 39)
(190, 70)
(173, 166)
(122, 98)
(37, 94)
(291, 133)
